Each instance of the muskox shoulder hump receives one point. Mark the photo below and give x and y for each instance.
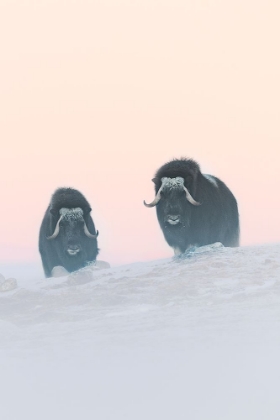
(178, 167)
(69, 198)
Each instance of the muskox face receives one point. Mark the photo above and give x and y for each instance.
(172, 204)
(71, 234)
(172, 200)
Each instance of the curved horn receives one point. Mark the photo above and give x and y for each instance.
(190, 199)
(88, 234)
(156, 199)
(56, 230)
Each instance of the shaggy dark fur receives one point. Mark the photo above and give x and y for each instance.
(214, 220)
(71, 234)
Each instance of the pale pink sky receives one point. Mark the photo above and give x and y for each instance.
(98, 94)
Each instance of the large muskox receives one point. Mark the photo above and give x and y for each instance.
(67, 235)
(194, 209)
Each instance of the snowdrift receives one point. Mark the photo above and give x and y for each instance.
(196, 337)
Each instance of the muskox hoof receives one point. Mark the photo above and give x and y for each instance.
(59, 271)
(8, 285)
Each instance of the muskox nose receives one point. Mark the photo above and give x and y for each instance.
(173, 219)
(73, 249)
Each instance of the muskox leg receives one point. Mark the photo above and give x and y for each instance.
(177, 251)
(59, 271)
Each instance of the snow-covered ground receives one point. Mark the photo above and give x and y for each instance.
(193, 338)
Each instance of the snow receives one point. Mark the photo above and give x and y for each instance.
(196, 338)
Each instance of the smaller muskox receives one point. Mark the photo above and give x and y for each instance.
(194, 209)
(67, 235)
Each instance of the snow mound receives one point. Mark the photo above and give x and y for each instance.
(191, 337)
(209, 284)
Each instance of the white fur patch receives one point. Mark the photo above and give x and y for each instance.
(211, 179)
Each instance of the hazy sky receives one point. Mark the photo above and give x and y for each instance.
(98, 94)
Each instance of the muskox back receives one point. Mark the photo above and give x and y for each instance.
(67, 235)
(194, 209)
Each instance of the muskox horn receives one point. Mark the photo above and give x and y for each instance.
(88, 234)
(190, 199)
(156, 200)
(56, 230)
(153, 203)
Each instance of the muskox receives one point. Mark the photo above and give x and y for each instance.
(67, 235)
(194, 209)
